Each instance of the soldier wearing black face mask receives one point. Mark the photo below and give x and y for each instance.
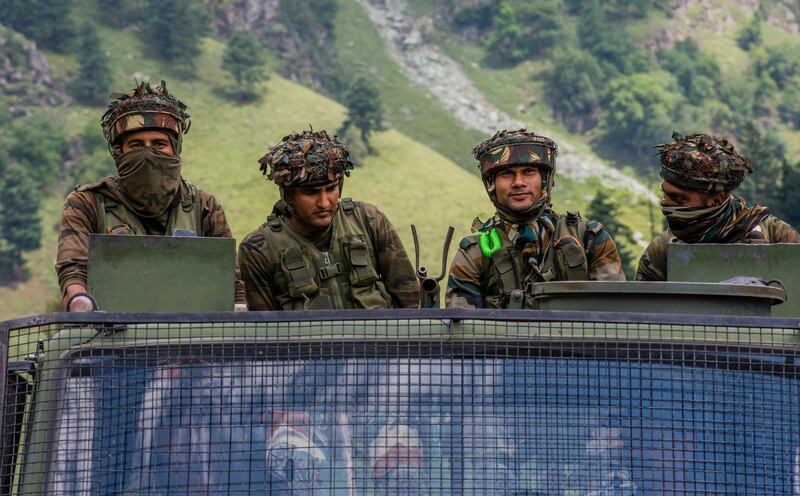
(148, 196)
(700, 173)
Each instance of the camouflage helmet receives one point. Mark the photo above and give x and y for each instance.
(703, 163)
(518, 147)
(309, 158)
(145, 107)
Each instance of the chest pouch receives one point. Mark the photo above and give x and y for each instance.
(571, 262)
(362, 273)
(365, 286)
(300, 277)
(505, 270)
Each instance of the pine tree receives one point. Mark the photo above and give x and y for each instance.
(20, 226)
(364, 110)
(751, 34)
(245, 60)
(174, 29)
(121, 13)
(603, 210)
(91, 84)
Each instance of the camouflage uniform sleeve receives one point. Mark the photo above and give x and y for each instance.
(78, 221)
(464, 280)
(256, 272)
(653, 264)
(394, 266)
(215, 225)
(782, 232)
(604, 261)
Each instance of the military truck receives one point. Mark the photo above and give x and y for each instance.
(605, 389)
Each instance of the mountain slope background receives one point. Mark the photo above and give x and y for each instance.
(421, 171)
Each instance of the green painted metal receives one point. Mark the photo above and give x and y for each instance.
(72, 339)
(714, 263)
(657, 297)
(162, 273)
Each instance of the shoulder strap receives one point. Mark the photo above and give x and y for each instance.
(590, 231)
(570, 250)
(197, 206)
(348, 206)
(107, 182)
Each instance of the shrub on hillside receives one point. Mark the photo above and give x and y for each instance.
(364, 111)
(524, 29)
(93, 80)
(750, 34)
(173, 30)
(610, 45)
(789, 106)
(121, 13)
(572, 89)
(47, 22)
(20, 226)
(639, 111)
(779, 63)
(245, 60)
(698, 74)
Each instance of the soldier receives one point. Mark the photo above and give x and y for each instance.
(319, 251)
(699, 173)
(144, 129)
(525, 242)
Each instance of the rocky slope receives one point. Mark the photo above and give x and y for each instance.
(426, 66)
(25, 78)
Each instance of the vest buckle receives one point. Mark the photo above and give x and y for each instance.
(331, 271)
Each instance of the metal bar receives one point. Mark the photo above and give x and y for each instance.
(3, 381)
(454, 314)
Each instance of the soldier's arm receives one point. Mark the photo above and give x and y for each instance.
(394, 266)
(782, 232)
(604, 261)
(463, 282)
(653, 264)
(256, 273)
(78, 221)
(215, 225)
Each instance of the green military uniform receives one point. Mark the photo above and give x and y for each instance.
(496, 266)
(653, 264)
(357, 262)
(147, 197)
(709, 165)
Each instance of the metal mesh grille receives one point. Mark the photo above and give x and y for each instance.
(415, 405)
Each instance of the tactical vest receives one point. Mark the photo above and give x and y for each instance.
(343, 277)
(564, 259)
(115, 218)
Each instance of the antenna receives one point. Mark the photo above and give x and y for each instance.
(429, 286)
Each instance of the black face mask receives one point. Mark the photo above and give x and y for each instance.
(149, 179)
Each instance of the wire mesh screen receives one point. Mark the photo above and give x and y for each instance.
(402, 407)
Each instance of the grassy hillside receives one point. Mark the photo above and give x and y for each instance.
(409, 181)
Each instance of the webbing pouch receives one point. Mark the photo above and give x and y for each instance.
(506, 273)
(300, 277)
(362, 273)
(571, 260)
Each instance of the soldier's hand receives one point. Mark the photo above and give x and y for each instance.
(81, 302)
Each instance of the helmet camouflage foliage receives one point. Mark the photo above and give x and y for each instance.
(518, 147)
(309, 158)
(145, 107)
(702, 162)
